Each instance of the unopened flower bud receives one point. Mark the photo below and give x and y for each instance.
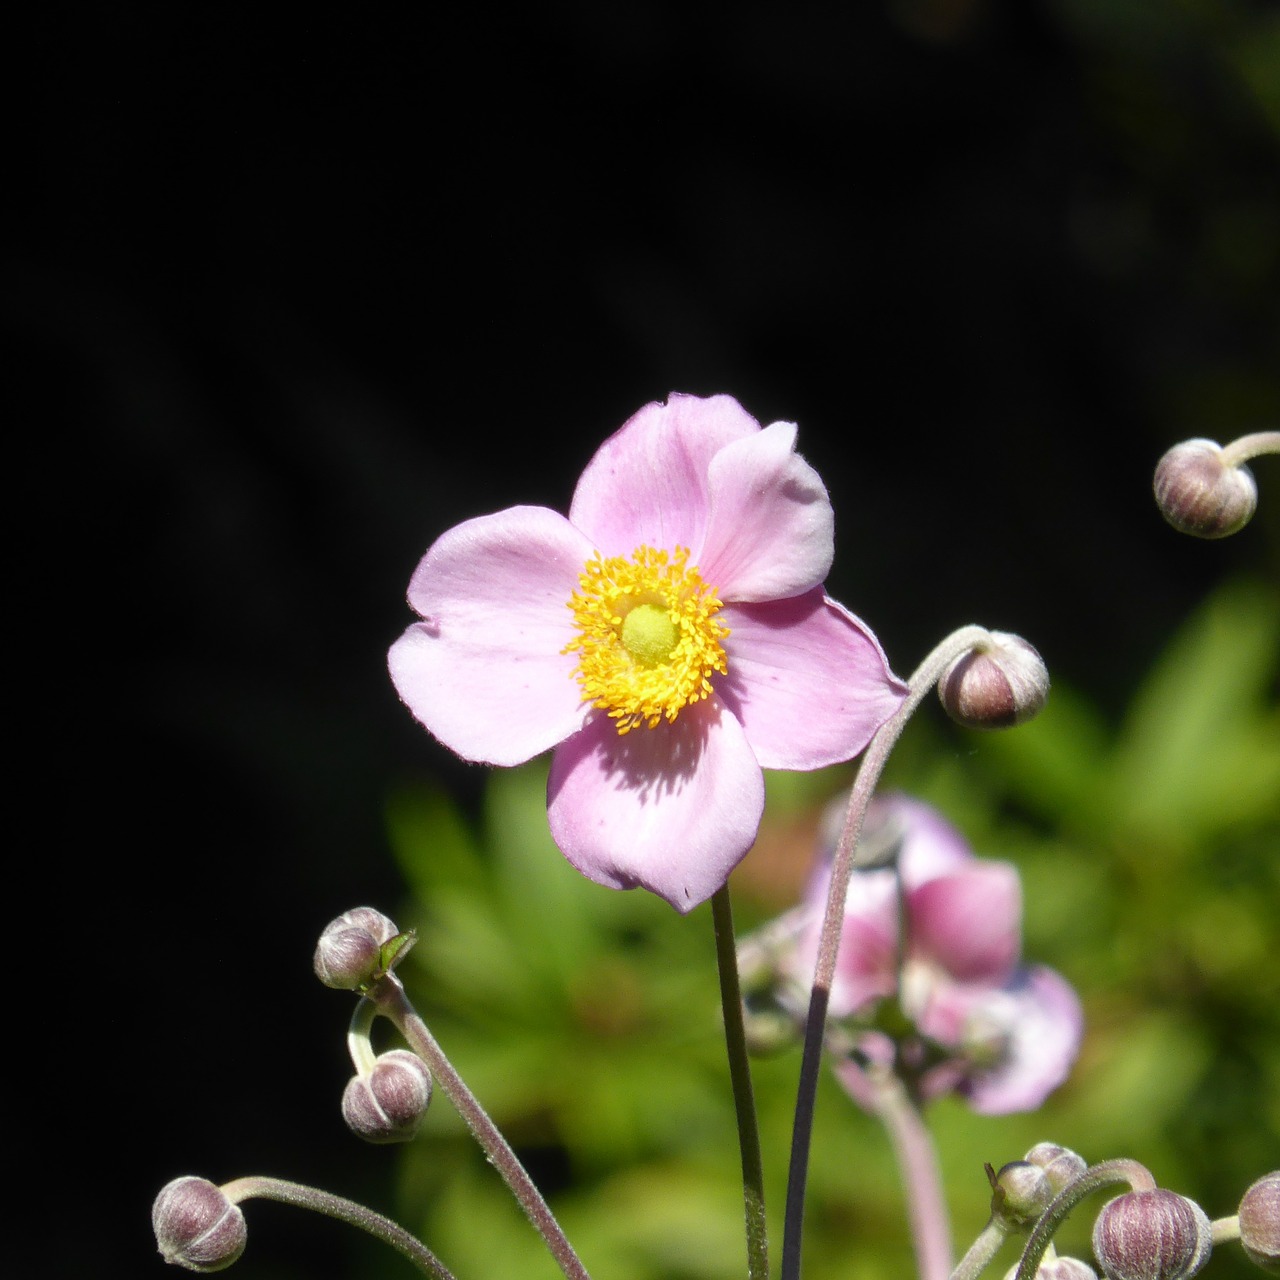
(196, 1226)
(995, 685)
(388, 1104)
(349, 953)
(1021, 1194)
(1260, 1222)
(1059, 1269)
(1200, 494)
(1061, 1165)
(1152, 1235)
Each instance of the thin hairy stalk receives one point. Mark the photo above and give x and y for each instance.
(735, 1040)
(348, 1211)
(981, 1251)
(921, 1179)
(873, 761)
(389, 996)
(1250, 446)
(1226, 1229)
(1110, 1173)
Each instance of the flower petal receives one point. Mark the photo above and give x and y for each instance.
(931, 846)
(867, 958)
(647, 483)
(1042, 1017)
(770, 529)
(672, 809)
(806, 679)
(969, 922)
(484, 671)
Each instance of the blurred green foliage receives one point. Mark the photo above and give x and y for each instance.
(587, 1020)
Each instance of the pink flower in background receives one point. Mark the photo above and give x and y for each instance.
(1001, 1034)
(669, 639)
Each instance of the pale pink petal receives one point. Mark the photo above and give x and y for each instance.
(877, 1050)
(672, 809)
(866, 960)
(770, 528)
(931, 846)
(1041, 1016)
(806, 679)
(647, 483)
(484, 670)
(969, 922)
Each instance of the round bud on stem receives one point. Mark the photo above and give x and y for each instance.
(1152, 1235)
(1201, 494)
(995, 685)
(196, 1226)
(349, 953)
(1061, 1165)
(1021, 1193)
(388, 1104)
(1260, 1222)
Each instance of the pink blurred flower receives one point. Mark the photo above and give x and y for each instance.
(1001, 1034)
(668, 639)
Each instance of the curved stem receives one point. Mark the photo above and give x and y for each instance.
(348, 1211)
(359, 1048)
(1250, 446)
(1110, 1173)
(981, 1251)
(873, 761)
(921, 1178)
(389, 996)
(735, 1039)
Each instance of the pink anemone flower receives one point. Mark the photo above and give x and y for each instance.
(668, 640)
(1001, 1034)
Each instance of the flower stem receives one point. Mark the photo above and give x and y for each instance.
(1110, 1173)
(389, 995)
(981, 1251)
(735, 1039)
(343, 1210)
(1226, 1229)
(924, 678)
(1250, 446)
(921, 1179)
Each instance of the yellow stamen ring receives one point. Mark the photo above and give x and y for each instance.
(647, 636)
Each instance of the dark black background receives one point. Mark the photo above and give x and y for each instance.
(291, 295)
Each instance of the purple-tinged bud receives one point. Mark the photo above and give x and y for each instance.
(1059, 1269)
(196, 1226)
(995, 685)
(1152, 1235)
(349, 953)
(1021, 1193)
(1260, 1222)
(1061, 1165)
(1200, 494)
(388, 1104)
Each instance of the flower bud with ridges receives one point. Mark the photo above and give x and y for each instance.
(995, 685)
(1260, 1222)
(1199, 492)
(1152, 1235)
(349, 953)
(196, 1226)
(389, 1102)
